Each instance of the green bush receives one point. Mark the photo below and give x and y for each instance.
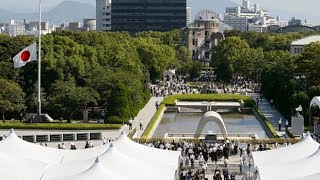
(59, 126)
(152, 122)
(115, 120)
(266, 122)
(169, 101)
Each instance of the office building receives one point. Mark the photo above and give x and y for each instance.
(16, 29)
(74, 26)
(144, 15)
(103, 15)
(247, 18)
(297, 46)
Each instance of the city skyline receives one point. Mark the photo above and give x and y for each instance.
(283, 8)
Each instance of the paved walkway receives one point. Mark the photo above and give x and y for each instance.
(270, 113)
(145, 115)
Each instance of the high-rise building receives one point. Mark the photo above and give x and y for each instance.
(74, 26)
(189, 15)
(103, 15)
(247, 18)
(16, 29)
(144, 15)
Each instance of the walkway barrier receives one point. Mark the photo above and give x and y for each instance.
(55, 137)
(95, 136)
(29, 138)
(83, 136)
(42, 138)
(68, 137)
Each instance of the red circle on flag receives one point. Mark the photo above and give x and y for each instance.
(25, 56)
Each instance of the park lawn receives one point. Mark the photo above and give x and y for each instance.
(169, 101)
(59, 126)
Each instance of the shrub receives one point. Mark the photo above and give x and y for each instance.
(169, 101)
(59, 126)
(115, 120)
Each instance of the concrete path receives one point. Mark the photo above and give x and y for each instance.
(145, 115)
(270, 113)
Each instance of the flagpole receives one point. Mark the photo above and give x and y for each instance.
(39, 62)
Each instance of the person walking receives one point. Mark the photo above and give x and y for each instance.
(287, 124)
(130, 124)
(141, 124)
(279, 122)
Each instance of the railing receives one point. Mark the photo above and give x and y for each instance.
(61, 137)
(191, 135)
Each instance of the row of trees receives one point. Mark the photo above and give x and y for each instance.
(265, 57)
(87, 69)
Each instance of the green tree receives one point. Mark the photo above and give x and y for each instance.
(227, 53)
(67, 98)
(11, 97)
(118, 104)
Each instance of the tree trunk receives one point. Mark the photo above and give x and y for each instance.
(70, 117)
(3, 118)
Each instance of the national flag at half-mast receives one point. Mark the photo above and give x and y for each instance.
(28, 54)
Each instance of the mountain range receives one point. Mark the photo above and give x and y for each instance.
(60, 11)
(65, 11)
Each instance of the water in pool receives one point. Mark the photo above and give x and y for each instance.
(187, 123)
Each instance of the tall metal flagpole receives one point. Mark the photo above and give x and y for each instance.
(39, 62)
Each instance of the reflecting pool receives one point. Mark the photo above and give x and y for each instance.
(187, 123)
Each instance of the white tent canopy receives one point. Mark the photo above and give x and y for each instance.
(300, 159)
(301, 150)
(121, 160)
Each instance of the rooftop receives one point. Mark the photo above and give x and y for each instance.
(307, 40)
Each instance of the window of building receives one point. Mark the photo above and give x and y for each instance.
(207, 43)
(193, 52)
(206, 55)
(207, 33)
(194, 41)
(193, 33)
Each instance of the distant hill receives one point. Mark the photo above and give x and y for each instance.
(218, 6)
(66, 11)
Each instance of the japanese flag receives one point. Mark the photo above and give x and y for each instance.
(28, 54)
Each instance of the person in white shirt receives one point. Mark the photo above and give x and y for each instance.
(279, 122)
(130, 124)
(104, 141)
(287, 124)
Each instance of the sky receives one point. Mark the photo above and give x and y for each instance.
(306, 9)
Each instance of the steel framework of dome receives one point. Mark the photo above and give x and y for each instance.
(207, 14)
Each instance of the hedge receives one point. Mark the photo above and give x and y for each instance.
(169, 101)
(153, 122)
(266, 122)
(289, 134)
(131, 133)
(59, 126)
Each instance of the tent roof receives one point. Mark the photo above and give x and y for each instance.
(304, 148)
(109, 161)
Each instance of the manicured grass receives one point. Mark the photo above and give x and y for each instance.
(131, 133)
(266, 122)
(152, 122)
(59, 126)
(169, 101)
